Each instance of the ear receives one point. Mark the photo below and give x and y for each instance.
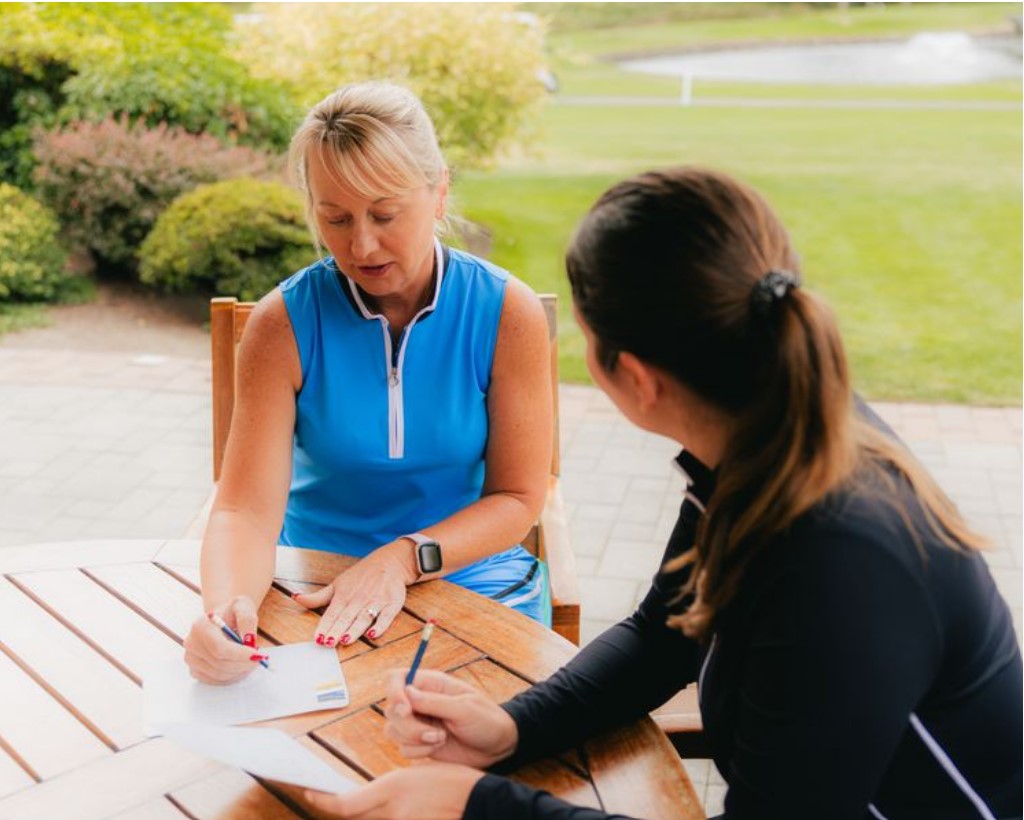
(643, 381)
(442, 196)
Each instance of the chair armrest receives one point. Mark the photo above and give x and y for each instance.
(555, 548)
(680, 719)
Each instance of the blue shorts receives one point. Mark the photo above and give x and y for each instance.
(514, 578)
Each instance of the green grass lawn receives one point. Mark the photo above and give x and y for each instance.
(908, 221)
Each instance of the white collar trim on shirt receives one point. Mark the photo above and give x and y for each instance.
(438, 266)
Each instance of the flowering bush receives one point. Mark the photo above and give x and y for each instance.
(475, 66)
(109, 181)
(238, 237)
(32, 262)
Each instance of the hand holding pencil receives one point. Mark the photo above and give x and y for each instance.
(221, 646)
(445, 718)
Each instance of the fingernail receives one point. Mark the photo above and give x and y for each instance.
(372, 633)
(345, 639)
(296, 594)
(329, 642)
(249, 639)
(431, 737)
(258, 657)
(319, 638)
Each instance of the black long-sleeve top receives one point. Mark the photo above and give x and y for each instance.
(860, 672)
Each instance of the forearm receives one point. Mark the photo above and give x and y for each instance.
(237, 558)
(630, 669)
(490, 525)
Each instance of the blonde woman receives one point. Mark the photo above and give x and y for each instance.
(393, 399)
(853, 656)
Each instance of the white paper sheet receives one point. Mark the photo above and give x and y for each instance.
(302, 677)
(268, 753)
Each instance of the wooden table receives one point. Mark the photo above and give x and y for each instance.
(79, 621)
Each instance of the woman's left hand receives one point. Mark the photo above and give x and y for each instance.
(439, 791)
(364, 598)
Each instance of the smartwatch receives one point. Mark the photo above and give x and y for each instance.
(428, 553)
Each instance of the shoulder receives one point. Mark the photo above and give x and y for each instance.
(268, 344)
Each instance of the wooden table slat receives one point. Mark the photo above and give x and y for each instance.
(93, 687)
(12, 775)
(508, 637)
(113, 785)
(296, 794)
(160, 809)
(67, 554)
(160, 596)
(286, 621)
(30, 719)
(359, 740)
(497, 682)
(101, 617)
(231, 795)
(557, 778)
(637, 773)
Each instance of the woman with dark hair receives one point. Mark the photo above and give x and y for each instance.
(853, 656)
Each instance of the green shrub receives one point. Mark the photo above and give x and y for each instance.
(475, 66)
(238, 237)
(32, 262)
(109, 181)
(61, 62)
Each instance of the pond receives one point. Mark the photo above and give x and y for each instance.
(925, 59)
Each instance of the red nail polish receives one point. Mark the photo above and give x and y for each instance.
(372, 633)
(329, 641)
(295, 595)
(249, 639)
(258, 657)
(345, 639)
(320, 639)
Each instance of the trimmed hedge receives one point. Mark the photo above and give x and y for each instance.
(239, 237)
(32, 261)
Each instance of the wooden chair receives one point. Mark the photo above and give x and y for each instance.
(549, 538)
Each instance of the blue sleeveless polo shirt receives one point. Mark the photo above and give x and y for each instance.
(390, 438)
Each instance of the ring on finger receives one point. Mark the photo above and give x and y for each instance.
(372, 612)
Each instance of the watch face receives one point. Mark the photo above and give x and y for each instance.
(430, 557)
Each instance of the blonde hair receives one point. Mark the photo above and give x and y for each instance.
(374, 138)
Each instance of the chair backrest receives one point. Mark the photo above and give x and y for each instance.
(228, 318)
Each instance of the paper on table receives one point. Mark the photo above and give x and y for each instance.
(268, 753)
(302, 677)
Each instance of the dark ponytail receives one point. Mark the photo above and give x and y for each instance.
(691, 271)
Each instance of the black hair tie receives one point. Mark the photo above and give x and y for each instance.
(771, 289)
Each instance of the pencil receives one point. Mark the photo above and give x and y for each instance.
(428, 630)
(227, 630)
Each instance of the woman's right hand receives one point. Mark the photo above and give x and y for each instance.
(212, 657)
(446, 719)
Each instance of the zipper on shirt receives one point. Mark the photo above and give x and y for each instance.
(394, 359)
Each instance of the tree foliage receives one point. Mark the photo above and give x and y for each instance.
(475, 66)
(156, 62)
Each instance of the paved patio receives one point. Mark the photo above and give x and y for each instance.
(113, 444)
